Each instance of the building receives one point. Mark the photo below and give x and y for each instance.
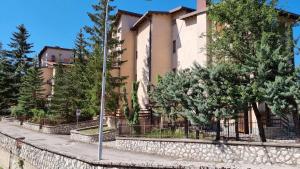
(48, 58)
(158, 42)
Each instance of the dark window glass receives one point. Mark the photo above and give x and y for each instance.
(174, 46)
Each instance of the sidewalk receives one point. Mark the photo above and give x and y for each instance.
(63, 144)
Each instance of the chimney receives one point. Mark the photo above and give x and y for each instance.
(201, 5)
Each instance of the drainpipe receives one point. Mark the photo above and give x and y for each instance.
(150, 51)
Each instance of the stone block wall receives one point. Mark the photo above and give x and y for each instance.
(59, 129)
(77, 136)
(219, 152)
(34, 157)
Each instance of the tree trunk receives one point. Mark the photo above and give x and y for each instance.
(173, 126)
(237, 134)
(197, 132)
(218, 132)
(261, 129)
(186, 128)
(296, 119)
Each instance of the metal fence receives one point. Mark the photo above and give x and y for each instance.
(229, 131)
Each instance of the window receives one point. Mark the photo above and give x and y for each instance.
(174, 46)
(52, 58)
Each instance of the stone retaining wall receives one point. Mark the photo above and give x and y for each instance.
(220, 152)
(78, 136)
(34, 157)
(59, 129)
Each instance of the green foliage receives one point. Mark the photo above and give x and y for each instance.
(61, 102)
(114, 82)
(8, 85)
(20, 46)
(253, 37)
(81, 52)
(38, 115)
(132, 114)
(71, 85)
(17, 111)
(215, 92)
(31, 92)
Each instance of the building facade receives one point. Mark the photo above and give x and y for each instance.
(159, 42)
(48, 58)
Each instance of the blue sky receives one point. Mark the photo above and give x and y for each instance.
(56, 22)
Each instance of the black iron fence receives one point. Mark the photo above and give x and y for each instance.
(228, 131)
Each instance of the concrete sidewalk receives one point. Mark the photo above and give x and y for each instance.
(63, 144)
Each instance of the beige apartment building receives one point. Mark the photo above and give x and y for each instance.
(158, 42)
(48, 58)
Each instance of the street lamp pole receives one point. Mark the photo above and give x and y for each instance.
(102, 107)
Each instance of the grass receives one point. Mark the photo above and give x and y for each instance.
(167, 133)
(179, 134)
(93, 131)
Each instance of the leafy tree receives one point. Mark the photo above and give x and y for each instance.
(81, 47)
(31, 92)
(132, 115)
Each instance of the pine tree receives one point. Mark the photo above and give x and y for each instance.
(81, 45)
(60, 104)
(31, 92)
(114, 61)
(8, 85)
(19, 43)
(78, 77)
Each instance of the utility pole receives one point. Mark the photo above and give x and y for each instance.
(102, 107)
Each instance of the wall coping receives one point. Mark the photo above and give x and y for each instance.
(104, 163)
(234, 143)
(77, 131)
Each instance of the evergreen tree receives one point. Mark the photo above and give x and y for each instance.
(78, 77)
(8, 85)
(171, 97)
(19, 43)
(283, 92)
(114, 61)
(81, 45)
(60, 104)
(133, 115)
(252, 26)
(31, 92)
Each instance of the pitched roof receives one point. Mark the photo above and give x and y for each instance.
(145, 17)
(180, 8)
(51, 47)
(120, 12)
(281, 12)
(195, 13)
(149, 13)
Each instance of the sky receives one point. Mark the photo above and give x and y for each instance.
(56, 22)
